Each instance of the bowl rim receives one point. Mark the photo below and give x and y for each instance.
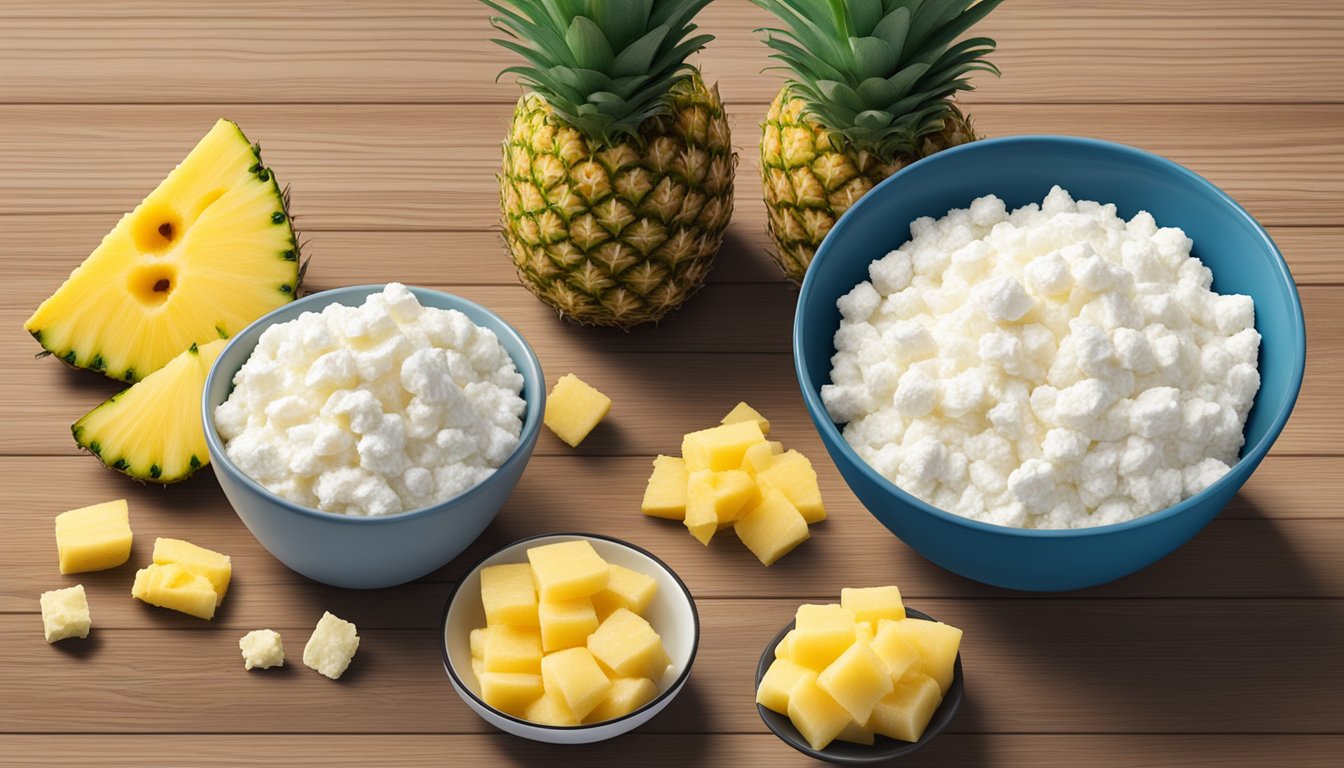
(1250, 455)
(955, 693)
(530, 371)
(463, 689)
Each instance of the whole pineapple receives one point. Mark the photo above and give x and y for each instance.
(870, 90)
(617, 181)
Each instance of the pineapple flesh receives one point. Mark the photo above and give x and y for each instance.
(871, 90)
(617, 179)
(207, 252)
(152, 431)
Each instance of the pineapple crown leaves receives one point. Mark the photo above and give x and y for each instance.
(880, 73)
(604, 66)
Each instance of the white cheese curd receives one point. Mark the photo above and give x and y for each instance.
(375, 409)
(1052, 367)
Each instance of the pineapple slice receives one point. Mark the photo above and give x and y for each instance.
(152, 431)
(208, 251)
(744, 412)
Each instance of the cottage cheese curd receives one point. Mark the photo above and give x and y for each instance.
(1052, 367)
(375, 409)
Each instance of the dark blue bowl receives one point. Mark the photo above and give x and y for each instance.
(1021, 170)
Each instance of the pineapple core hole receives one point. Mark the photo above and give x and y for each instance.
(157, 228)
(152, 285)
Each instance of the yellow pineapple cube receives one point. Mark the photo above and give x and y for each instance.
(566, 623)
(717, 497)
(665, 495)
(857, 679)
(574, 408)
(782, 647)
(510, 692)
(891, 645)
(937, 644)
(735, 492)
(720, 448)
(513, 649)
(744, 412)
(776, 447)
(905, 712)
(93, 538)
(757, 458)
(568, 570)
(817, 716)
(216, 568)
(778, 680)
(702, 519)
(573, 677)
(873, 603)
(626, 589)
(550, 710)
(508, 594)
(854, 733)
(794, 476)
(772, 528)
(629, 646)
(65, 613)
(821, 633)
(477, 639)
(627, 694)
(172, 586)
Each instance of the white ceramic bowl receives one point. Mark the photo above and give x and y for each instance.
(672, 614)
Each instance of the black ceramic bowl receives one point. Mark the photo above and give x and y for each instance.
(883, 748)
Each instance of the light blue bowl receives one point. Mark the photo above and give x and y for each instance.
(1021, 170)
(369, 552)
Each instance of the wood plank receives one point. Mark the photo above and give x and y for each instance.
(1282, 537)
(370, 167)
(306, 50)
(1101, 673)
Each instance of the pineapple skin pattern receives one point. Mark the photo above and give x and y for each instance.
(810, 176)
(622, 233)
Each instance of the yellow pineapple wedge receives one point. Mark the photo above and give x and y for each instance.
(208, 251)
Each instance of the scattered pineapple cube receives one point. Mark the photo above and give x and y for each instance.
(574, 408)
(757, 458)
(94, 538)
(262, 649)
(821, 633)
(626, 589)
(573, 677)
(566, 623)
(629, 646)
(858, 679)
(169, 585)
(665, 495)
(214, 567)
(873, 603)
(477, 639)
(778, 680)
(772, 528)
(793, 475)
(331, 646)
(568, 570)
(817, 716)
(550, 710)
(891, 645)
(721, 447)
(905, 712)
(512, 649)
(65, 613)
(510, 692)
(508, 595)
(937, 644)
(744, 412)
(782, 648)
(702, 519)
(854, 733)
(627, 694)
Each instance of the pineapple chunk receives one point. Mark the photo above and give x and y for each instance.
(665, 495)
(477, 640)
(718, 498)
(782, 648)
(568, 570)
(513, 649)
(744, 412)
(574, 408)
(214, 567)
(566, 623)
(702, 519)
(757, 458)
(172, 586)
(207, 252)
(626, 589)
(153, 431)
(574, 679)
(331, 647)
(65, 613)
(776, 447)
(854, 733)
(627, 694)
(629, 646)
(793, 475)
(550, 710)
(772, 528)
(857, 680)
(508, 594)
(510, 692)
(874, 603)
(891, 645)
(821, 633)
(734, 492)
(720, 448)
(817, 716)
(937, 644)
(478, 668)
(778, 680)
(94, 538)
(905, 712)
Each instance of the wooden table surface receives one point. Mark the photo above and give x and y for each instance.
(386, 121)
